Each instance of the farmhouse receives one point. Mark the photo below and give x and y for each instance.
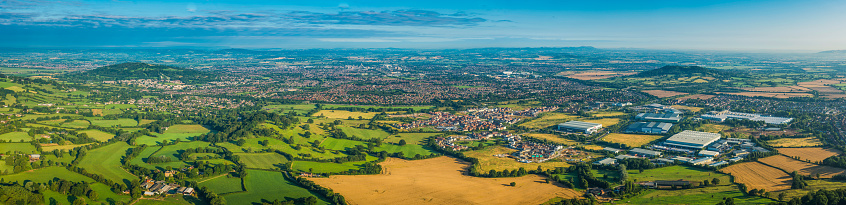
(658, 117)
(645, 152)
(724, 115)
(579, 126)
(649, 127)
(692, 139)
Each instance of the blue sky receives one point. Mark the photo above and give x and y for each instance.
(810, 25)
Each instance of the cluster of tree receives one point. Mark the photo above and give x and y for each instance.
(586, 178)
(589, 201)
(132, 153)
(310, 200)
(233, 124)
(504, 173)
(185, 155)
(116, 188)
(835, 161)
(158, 159)
(79, 189)
(209, 196)
(19, 162)
(338, 133)
(327, 193)
(822, 196)
(17, 194)
(798, 181)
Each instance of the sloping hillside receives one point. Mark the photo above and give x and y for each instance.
(134, 70)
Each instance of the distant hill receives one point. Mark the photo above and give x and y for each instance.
(686, 71)
(135, 70)
(833, 52)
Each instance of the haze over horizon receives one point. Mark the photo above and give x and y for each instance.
(711, 25)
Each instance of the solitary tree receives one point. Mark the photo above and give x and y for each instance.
(513, 183)
(402, 142)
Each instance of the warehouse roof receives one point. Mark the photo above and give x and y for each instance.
(579, 125)
(640, 125)
(645, 152)
(689, 137)
(658, 116)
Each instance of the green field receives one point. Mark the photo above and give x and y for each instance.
(98, 135)
(329, 167)
(122, 122)
(268, 186)
(106, 161)
(25, 148)
(262, 160)
(408, 150)
(77, 124)
(703, 196)
(46, 174)
(410, 138)
(297, 108)
(223, 184)
(182, 132)
(676, 173)
(340, 144)
(364, 133)
(16, 137)
(173, 151)
(252, 144)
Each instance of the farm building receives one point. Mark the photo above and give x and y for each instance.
(649, 127)
(724, 115)
(658, 117)
(645, 152)
(579, 126)
(692, 139)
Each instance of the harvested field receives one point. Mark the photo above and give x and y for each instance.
(682, 107)
(771, 95)
(804, 168)
(815, 154)
(785, 89)
(795, 142)
(663, 93)
(488, 161)
(632, 140)
(697, 96)
(823, 86)
(440, 181)
(759, 176)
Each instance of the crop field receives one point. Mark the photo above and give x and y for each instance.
(98, 135)
(759, 176)
(440, 181)
(698, 196)
(663, 93)
(410, 138)
(123, 122)
(769, 94)
(106, 161)
(223, 184)
(408, 150)
(795, 142)
(16, 137)
(803, 168)
(329, 167)
(267, 185)
(364, 133)
(25, 148)
(487, 160)
(632, 140)
(815, 154)
(548, 119)
(552, 138)
(676, 173)
(343, 114)
(262, 160)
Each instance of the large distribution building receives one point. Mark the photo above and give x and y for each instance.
(692, 139)
(649, 127)
(579, 126)
(659, 117)
(724, 115)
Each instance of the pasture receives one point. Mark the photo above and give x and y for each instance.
(759, 176)
(343, 114)
(803, 168)
(46, 174)
(98, 135)
(51, 147)
(698, 196)
(548, 119)
(631, 140)
(410, 138)
(408, 150)
(182, 132)
(173, 151)
(676, 173)
(329, 167)
(268, 186)
(815, 154)
(440, 181)
(106, 161)
(364, 133)
(262, 160)
(120, 122)
(795, 142)
(16, 137)
(223, 184)
(25, 148)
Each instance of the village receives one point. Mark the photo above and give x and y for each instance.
(491, 119)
